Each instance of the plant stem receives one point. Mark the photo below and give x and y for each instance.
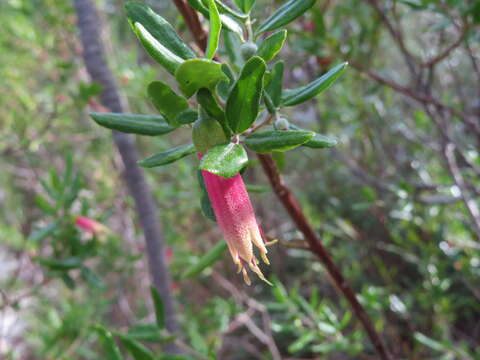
(292, 206)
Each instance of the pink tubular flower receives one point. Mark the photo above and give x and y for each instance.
(234, 213)
(89, 225)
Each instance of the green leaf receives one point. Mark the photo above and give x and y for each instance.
(168, 157)
(225, 160)
(277, 140)
(207, 133)
(245, 5)
(228, 10)
(146, 332)
(44, 204)
(187, 117)
(160, 53)
(111, 348)
(133, 123)
(285, 14)
(302, 342)
(215, 29)
(227, 21)
(244, 99)
(232, 25)
(299, 95)
(270, 47)
(159, 28)
(210, 105)
(274, 89)
(205, 204)
(60, 265)
(42, 233)
(318, 141)
(206, 261)
(159, 308)
(199, 73)
(137, 350)
(91, 278)
(206, 207)
(166, 101)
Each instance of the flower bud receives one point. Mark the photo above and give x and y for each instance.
(281, 124)
(207, 132)
(248, 49)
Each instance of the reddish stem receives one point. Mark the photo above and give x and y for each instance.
(293, 208)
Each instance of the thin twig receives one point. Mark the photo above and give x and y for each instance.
(293, 208)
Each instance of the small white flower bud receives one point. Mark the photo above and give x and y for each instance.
(281, 124)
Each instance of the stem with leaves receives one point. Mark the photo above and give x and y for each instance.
(293, 208)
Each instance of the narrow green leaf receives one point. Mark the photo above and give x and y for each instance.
(187, 117)
(146, 332)
(215, 29)
(111, 348)
(199, 73)
(274, 89)
(206, 207)
(270, 47)
(207, 133)
(133, 123)
(42, 233)
(44, 204)
(205, 204)
(60, 265)
(209, 104)
(303, 341)
(285, 14)
(168, 157)
(169, 60)
(159, 308)
(166, 101)
(299, 95)
(137, 350)
(245, 5)
(223, 8)
(319, 141)
(232, 25)
(277, 140)
(227, 21)
(272, 109)
(91, 278)
(206, 261)
(159, 28)
(225, 160)
(244, 99)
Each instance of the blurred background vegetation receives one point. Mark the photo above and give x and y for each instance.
(396, 202)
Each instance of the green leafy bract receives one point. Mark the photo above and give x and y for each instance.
(225, 160)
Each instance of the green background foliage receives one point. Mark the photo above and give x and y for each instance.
(384, 201)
